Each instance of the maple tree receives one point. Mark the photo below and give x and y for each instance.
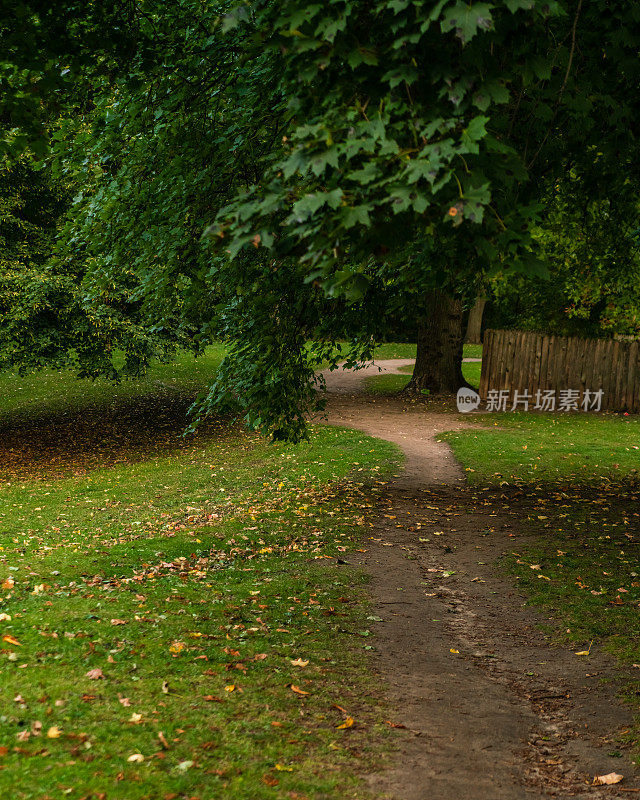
(344, 179)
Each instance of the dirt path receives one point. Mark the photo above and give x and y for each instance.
(493, 711)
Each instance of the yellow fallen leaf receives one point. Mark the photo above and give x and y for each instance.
(299, 662)
(230, 688)
(282, 768)
(177, 647)
(54, 732)
(348, 723)
(607, 780)
(8, 583)
(136, 757)
(585, 652)
(9, 639)
(453, 650)
(135, 718)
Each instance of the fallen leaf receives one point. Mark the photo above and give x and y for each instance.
(54, 732)
(348, 723)
(5, 617)
(453, 650)
(23, 736)
(124, 701)
(165, 687)
(8, 583)
(607, 780)
(299, 662)
(9, 639)
(3, 751)
(297, 689)
(183, 766)
(136, 757)
(163, 740)
(135, 718)
(95, 674)
(118, 621)
(282, 768)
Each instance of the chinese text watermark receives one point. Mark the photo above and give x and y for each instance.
(541, 400)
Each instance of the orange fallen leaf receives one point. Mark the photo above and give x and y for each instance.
(8, 583)
(607, 780)
(297, 689)
(9, 639)
(3, 751)
(348, 723)
(163, 740)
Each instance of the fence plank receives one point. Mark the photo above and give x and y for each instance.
(528, 361)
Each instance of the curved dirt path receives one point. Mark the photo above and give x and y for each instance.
(407, 424)
(488, 709)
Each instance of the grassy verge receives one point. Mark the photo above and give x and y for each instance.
(574, 480)
(528, 447)
(181, 627)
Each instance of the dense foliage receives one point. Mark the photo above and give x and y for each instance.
(348, 160)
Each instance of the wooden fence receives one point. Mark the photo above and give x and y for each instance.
(531, 362)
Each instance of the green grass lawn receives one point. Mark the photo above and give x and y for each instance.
(573, 481)
(390, 383)
(47, 391)
(404, 350)
(178, 621)
(527, 447)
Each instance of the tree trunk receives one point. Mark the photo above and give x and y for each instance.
(474, 325)
(438, 366)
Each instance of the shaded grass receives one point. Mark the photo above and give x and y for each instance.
(47, 392)
(192, 582)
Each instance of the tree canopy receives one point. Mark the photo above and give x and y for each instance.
(346, 160)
